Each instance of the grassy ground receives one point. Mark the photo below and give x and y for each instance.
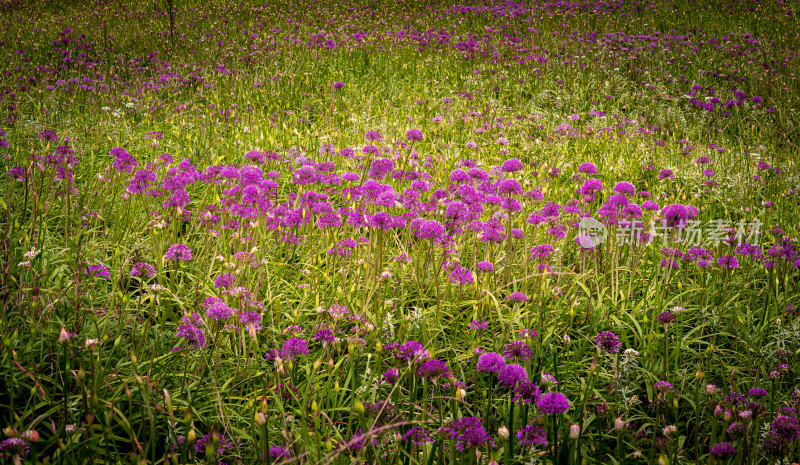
(348, 232)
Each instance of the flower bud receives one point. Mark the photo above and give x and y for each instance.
(670, 430)
(718, 412)
(699, 375)
(503, 432)
(574, 432)
(31, 435)
(63, 338)
(461, 394)
(619, 424)
(191, 437)
(358, 407)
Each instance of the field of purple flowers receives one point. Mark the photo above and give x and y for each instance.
(399, 233)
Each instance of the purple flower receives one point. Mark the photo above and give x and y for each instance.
(373, 136)
(541, 251)
(224, 280)
(434, 369)
(675, 214)
(664, 386)
(608, 341)
(478, 324)
(278, 452)
(512, 374)
(123, 161)
(143, 269)
(532, 435)
(219, 311)
(178, 252)
(17, 173)
(728, 261)
(14, 448)
(223, 445)
(294, 347)
(390, 376)
(723, 450)
(625, 188)
(192, 334)
(418, 436)
(517, 351)
(338, 85)
(518, 297)
(666, 317)
(490, 362)
(527, 392)
(786, 428)
(587, 168)
(467, 432)
(414, 135)
(553, 403)
(485, 267)
(757, 392)
(511, 165)
(97, 271)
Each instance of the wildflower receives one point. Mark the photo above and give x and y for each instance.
(485, 267)
(143, 269)
(123, 161)
(224, 280)
(587, 168)
(553, 403)
(664, 386)
(222, 445)
(527, 392)
(608, 341)
(518, 297)
(98, 271)
(278, 452)
(390, 376)
(666, 317)
(192, 334)
(517, 351)
(418, 436)
(490, 362)
(512, 374)
(219, 311)
(728, 261)
(723, 450)
(14, 449)
(478, 324)
(178, 252)
(786, 428)
(434, 369)
(532, 435)
(541, 251)
(467, 432)
(511, 165)
(294, 347)
(414, 135)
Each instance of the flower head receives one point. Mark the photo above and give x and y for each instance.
(608, 341)
(553, 403)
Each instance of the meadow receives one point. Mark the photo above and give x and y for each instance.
(399, 233)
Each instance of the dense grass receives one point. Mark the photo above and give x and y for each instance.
(293, 231)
